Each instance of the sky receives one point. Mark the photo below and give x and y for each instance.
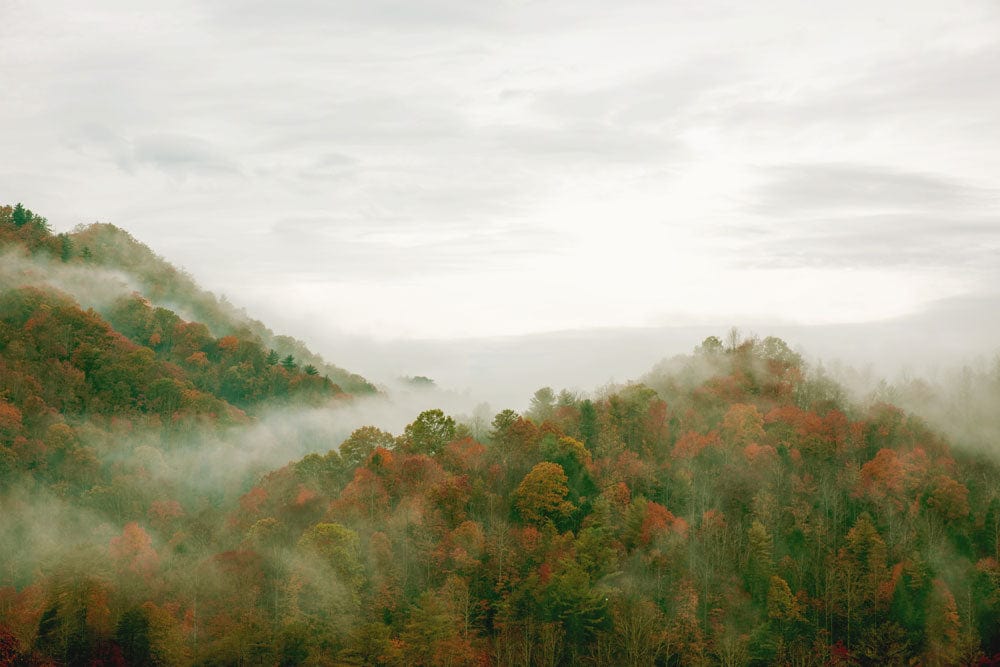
(444, 169)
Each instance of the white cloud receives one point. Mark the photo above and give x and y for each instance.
(446, 168)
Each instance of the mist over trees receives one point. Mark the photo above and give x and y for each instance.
(177, 488)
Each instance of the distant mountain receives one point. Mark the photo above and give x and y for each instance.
(505, 370)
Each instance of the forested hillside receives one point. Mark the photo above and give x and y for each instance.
(733, 507)
(154, 304)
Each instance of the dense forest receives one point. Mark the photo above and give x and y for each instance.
(732, 507)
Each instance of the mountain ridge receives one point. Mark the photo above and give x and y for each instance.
(159, 283)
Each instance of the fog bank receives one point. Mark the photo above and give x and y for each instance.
(506, 371)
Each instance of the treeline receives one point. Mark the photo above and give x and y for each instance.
(730, 510)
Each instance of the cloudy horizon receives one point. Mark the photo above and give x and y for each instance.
(444, 170)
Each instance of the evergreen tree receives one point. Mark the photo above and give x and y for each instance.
(65, 247)
(132, 634)
(21, 216)
(588, 424)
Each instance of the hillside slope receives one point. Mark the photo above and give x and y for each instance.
(154, 305)
(163, 284)
(733, 507)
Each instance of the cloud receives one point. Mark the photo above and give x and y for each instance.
(857, 215)
(370, 120)
(174, 154)
(941, 90)
(338, 251)
(91, 286)
(636, 119)
(931, 81)
(385, 140)
(879, 241)
(180, 154)
(573, 143)
(393, 14)
(809, 188)
(645, 97)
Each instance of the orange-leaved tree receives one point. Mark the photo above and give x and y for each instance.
(541, 495)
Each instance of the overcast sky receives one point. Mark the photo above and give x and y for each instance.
(448, 168)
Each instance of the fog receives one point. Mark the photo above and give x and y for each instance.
(234, 459)
(91, 286)
(928, 361)
(201, 466)
(480, 208)
(504, 372)
(174, 506)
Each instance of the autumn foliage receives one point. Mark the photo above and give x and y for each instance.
(732, 508)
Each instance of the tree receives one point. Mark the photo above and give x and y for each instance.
(501, 425)
(541, 495)
(432, 635)
(228, 344)
(709, 347)
(288, 363)
(777, 350)
(362, 442)
(165, 396)
(76, 616)
(132, 634)
(369, 644)
(581, 608)
(684, 628)
(949, 498)
(10, 420)
(133, 551)
(588, 424)
(65, 247)
(743, 425)
(639, 631)
(759, 564)
(782, 606)
(733, 339)
(868, 551)
(429, 432)
(419, 382)
(882, 479)
(21, 216)
(885, 644)
(943, 627)
(542, 405)
(337, 547)
(574, 459)
(325, 582)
